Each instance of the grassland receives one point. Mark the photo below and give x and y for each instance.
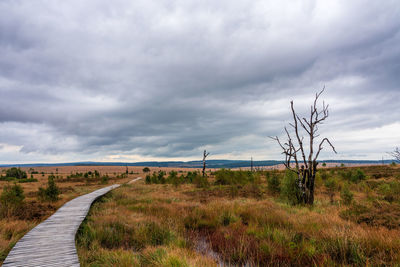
(238, 217)
(33, 211)
(231, 221)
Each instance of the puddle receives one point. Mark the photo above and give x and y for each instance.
(203, 247)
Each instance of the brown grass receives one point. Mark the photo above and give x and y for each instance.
(241, 229)
(12, 229)
(163, 225)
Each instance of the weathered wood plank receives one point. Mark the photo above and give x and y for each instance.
(52, 243)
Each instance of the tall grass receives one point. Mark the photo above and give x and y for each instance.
(240, 230)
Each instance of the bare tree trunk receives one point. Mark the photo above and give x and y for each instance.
(205, 154)
(308, 169)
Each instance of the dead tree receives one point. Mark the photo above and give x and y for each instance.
(395, 154)
(296, 158)
(205, 154)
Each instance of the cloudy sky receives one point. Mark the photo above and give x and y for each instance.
(162, 80)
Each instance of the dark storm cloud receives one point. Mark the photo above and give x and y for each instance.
(99, 78)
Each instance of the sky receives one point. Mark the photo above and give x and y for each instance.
(129, 81)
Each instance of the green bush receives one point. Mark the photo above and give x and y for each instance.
(114, 235)
(148, 179)
(359, 176)
(12, 200)
(201, 181)
(331, 186)
(31, 180)
(346, 195)
(289, 189)
(156, 178)
(174, 179)
(16, 173)
(324, 174)
(273, 183)
(105, 179)
(318, 182)
(51, 192)
(8, 179)
(353, 176)
(228, 177)
(156, 234)
(191, 176)
(390, 191)
(146, 169)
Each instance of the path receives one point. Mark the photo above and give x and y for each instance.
(52, 242)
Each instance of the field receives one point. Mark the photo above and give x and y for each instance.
(33, 211)
(246, 219)
(174, 217)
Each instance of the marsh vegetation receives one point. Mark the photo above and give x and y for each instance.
(243, 217)
(28, 196)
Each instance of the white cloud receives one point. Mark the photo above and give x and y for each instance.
(149, 80)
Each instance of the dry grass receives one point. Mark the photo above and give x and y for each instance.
(13, 228)
(164, 225)
(241, 229)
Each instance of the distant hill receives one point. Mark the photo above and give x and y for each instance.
(190, 164)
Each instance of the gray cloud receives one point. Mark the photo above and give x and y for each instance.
(98, 79)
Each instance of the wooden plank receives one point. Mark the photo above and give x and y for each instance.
(52, 242)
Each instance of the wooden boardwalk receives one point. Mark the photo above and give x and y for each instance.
(52, 243)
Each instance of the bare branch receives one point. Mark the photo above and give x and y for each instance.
(300, 141)
(307, 171)
(395, 153)
(321, 147)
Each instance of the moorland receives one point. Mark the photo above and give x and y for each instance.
(177, 217)
(247, 219)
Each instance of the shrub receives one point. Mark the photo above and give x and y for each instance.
(50, 193)
(274, 184)
(12, 200)
(228, 177)
(377, 214)
(157, 235)
(156, 178)
(191, 176)
(390, 191)
(201, 181)
(174, 179)
(359, 176)
(8, 179)
(105, 179)
(148, 179)
(146, 169)
(290, 189)
(116, 234)
(324, 174)
(331, 186)
(319, 182)
(16, 173)
(31, 180)
(353, 176)
(346, 195)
